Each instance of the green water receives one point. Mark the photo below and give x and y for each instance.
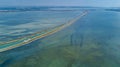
(93, 41)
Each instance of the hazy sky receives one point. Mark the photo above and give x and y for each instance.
(100, 3)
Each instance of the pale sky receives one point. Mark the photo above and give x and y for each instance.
(96, 3)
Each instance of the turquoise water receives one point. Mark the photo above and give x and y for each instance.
(19, 24)
(92, 41)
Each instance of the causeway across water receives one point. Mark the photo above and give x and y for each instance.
(28, 39)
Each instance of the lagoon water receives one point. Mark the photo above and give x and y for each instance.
(92, 41)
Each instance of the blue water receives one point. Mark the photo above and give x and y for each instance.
(92, 41)
(16, 24)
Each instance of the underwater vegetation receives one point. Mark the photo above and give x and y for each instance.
(92, 41)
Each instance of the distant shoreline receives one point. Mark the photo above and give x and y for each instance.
(32, 10)
(44, 8)
(117, 10)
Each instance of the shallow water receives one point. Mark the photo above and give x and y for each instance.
(92, 41)
(19, 24)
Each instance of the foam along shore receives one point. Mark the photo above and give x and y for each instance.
(20, 42)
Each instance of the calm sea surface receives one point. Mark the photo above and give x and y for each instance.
(92, 41)
(17, 24)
